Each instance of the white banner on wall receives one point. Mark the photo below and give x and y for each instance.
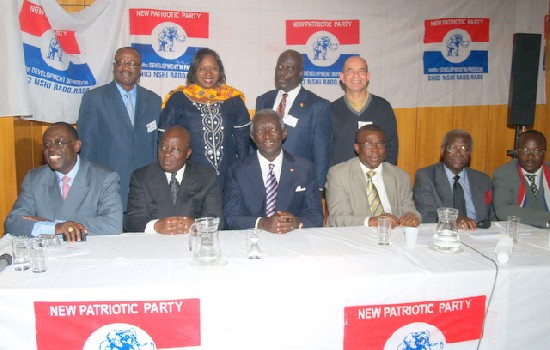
(420, 53)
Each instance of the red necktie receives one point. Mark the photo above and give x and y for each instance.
(282, 105)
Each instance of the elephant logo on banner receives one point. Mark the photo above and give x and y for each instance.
(419, 341)
(119, 336)
(321, 47)
(54, 50)
(454, 43)
(167, 37)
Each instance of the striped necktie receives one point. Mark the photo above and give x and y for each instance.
(376, 208)
(271, 192)
(532, 183)
(129, 106)
(282, 105)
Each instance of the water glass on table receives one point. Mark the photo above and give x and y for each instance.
(384, 231)
(512, 227)
(38, 255)
(21, 253)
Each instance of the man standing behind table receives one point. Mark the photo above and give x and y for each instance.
(306, 115)
(118, 121)
(69, 196)
(356, 108)
(452, 183)
(271, 189)
(522, 185)
(168, 195)
(365, 188)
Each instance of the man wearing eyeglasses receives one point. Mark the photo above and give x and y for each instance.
(118, 121)
(168, 195)
(69, 196)
(366, 188)
(521, 185)
(452, 183)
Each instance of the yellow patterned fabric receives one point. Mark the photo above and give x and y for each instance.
(200, 94)
(375, 204)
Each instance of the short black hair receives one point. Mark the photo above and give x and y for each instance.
(70, 129)
(368, 127)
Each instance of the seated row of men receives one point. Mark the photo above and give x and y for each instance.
(272, 189)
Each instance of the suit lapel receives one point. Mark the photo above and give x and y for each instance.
(390, 186)
(160, 189)
(358, 184)
(287, 182)
(298, 102)
(254, 183)
(117, 101)
(77, 193)
(442, 185)
(476, 191)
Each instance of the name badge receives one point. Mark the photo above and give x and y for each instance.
(152, 126)
(290, 120)
(362, 124)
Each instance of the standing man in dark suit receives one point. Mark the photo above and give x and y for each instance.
(271, 189)
(522, 185)
(306, 115)
(168, 195)
(358, 107)
(435, 187)
(69, 196)
(118, 121)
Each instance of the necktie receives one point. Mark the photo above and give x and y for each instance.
(174, 185)
(458, 197)
(129, 106)
(66, 187)
(376, 208)
(282, 105)
(271, 192)
(533, 184)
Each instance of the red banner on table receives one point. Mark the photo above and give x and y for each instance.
(159, 324)
(418, 325)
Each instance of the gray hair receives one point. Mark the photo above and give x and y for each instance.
(455, 133)
(267, 112)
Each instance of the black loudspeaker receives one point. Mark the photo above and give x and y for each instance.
(523, 82)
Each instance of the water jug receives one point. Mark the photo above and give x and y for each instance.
(446, 235)
(205, 243)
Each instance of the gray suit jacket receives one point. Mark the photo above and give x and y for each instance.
(506, 181)
(432, 190)
(347, 200)
(93, 200)
(108, 137)
(150, 199)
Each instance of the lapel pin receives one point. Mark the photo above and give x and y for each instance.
(291, 170)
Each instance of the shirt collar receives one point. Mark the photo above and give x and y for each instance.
(71, 174)
(123, 92)
(264, 163)
(291, 95)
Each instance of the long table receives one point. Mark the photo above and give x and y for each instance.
(325, 288)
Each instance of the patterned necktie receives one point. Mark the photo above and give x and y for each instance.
(129, 106)
(532, 183)
(376, 208)
(174, 185)
(66, 187)
(282, 105)
(458, 197)
(271, 192)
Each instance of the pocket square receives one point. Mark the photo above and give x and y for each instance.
(300, 189)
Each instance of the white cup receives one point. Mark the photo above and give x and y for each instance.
(411, 234)
(38, 256)
(384, 231)
(21, 253)
(512, 227)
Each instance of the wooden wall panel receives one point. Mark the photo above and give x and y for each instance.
(432, 124)
(474, 119)
(8, 189)
(406, 130)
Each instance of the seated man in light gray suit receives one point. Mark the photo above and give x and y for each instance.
(433, 187)
(168, 195)
(69, 196)
(364, 188)
(522, 185)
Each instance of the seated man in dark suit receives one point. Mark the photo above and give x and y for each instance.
(271, 189)
(522, 185)
(69, 196)
(306, 115)
(168, 195)
(435, 186)
(365, 188)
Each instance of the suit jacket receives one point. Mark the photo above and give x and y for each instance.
(149, 199)
(93, 200)
(347, 199)
(506, 182)
(432, 190)
(310, 138)
(108, 137)
(298, 192)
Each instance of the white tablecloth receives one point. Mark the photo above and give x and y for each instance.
(294, 297)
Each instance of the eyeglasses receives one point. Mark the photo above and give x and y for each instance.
(455, 148)
(534, 151)
(57, 144)
(371, 145)
(131, 64)
(173, 151)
